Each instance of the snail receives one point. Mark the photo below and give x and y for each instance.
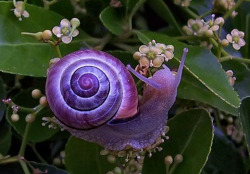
(94, 97)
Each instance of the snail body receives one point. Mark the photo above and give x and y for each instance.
(94, 97)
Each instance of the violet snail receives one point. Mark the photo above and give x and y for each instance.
(94, 97)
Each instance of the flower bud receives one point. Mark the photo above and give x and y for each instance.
(137, 55)
(168, 54)
(75, 22)
(30, 118)
(178, 158)
(168, 160)
(144, 61)
(46, 35)
(117, 170)
(209, 33)
(157, 62)
(111, 159)
(15, 117)
(36, 93)
(43, 101)
(224, 43)
(143, 49)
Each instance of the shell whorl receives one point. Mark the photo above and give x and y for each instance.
(89, 88)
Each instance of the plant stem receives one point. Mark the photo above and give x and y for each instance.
(219, 49)
(125, 47)
(238, 3)
(24, 109)
(58, 52)
(9, 160)
(24, 166)
(224, 53)
(103, 41)
(238, 59)
(191, 13)
(25, 139)
(205, 14)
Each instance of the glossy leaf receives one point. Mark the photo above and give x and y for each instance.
(202, 65)
(37, 132)
(224, 157)
(84, 158)
(2, 96)
(245, 119)
(113, 19)
(190, 134)
(5, 138)
(23, 54)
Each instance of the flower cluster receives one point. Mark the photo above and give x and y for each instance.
(200, 28)
(154, 54)
(67, 29)
(236, 38)
(224, 6)
(183, 3)
(19, 10)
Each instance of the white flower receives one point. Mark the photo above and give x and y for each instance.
(19, 10)
(214, 24)
(236, 38)
(195, 27)
(65, 31)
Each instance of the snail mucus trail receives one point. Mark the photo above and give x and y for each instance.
(94, 97)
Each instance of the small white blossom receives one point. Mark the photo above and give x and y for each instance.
(65, 31)
(195, 27)
(214, 24)
(154, 54)
(236, 38)
(19, 10)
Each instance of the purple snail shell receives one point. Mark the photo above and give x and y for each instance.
(94, 97)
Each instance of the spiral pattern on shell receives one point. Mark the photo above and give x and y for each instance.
(89, 88)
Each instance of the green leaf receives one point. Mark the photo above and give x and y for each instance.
(2, 96)
(224, 157)
(84, 158)
(23, 54)
(113, 19)
(37, 132)
(191, 135)
(202, 65)
(5, 138)
(245, 119)
(132, 6)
